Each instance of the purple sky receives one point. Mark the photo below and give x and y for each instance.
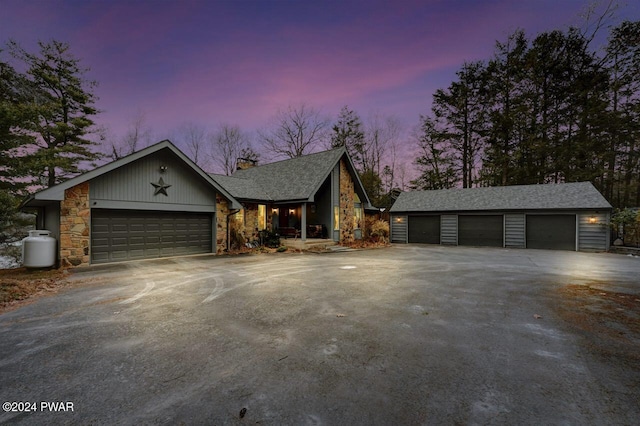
(239, 61)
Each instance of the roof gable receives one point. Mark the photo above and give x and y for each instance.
(295, 179)
(56, 193)
(578, 195)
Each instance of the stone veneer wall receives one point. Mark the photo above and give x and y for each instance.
(75, 217)
(347, 211)
(250, 221)
(222, 210)
(247, 229)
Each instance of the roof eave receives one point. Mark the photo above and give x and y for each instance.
(497, 210)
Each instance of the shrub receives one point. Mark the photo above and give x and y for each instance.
(627, 225)
(379, 229)
(14, 226)
(270, 239)
(236, 240)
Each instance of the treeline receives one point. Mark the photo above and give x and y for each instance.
(550, 109)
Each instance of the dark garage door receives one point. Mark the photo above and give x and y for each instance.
(552, 232)
(424, 229)
(482, 230)
(118, 235)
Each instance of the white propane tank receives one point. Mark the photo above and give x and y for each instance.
(39, 249)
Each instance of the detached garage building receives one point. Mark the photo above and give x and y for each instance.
(568, 216)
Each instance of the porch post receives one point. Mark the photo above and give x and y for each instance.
(303, 219)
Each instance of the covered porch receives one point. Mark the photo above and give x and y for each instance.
(302, 222)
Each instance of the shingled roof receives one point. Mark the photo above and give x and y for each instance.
(295, 179)
(562, 196)
(244, 189)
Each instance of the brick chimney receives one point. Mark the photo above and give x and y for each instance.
(245, 163)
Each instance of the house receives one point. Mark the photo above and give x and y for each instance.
(158, 203)
(314, 196)
(568, 216)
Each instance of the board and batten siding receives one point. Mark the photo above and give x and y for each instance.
(449, 229)
(130, 187)
(399, 229)
(335, 200)
(593, 236)
(514, 230)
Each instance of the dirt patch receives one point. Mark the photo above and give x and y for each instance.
(20, 286)
(609, 321)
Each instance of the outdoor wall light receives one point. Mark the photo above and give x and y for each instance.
(163, 169)
(399, 219)
(274, 210)
(593, 219)
(291, 211)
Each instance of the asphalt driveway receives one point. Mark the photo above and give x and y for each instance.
(404, 335)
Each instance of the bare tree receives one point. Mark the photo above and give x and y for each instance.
(138, 136)
(296, 131)
(381, 138)
(193, 137)
(228, 144)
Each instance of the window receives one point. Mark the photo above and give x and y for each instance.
(336, 218)
(262, 216)
(357, 218)
(357, 210)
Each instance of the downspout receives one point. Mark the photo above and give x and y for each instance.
(228, 216)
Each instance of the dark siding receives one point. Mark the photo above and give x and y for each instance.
(335, 199)
(132, 184)
(398, 229)
(593, 236)
(449, 229)
(514, 230)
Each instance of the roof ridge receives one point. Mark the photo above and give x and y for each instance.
(521, 185)
(294, 158)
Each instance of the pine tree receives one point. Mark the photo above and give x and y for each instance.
(462, 108)
(62, 104)
(348, 132)
(435, 161)
(14, 110)
(623, 163)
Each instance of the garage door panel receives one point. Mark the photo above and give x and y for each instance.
(118, 235)
(100, 257)
(152, 239)
(133, 240)
(137, 227)
(551, 232)
(424, 229)
(480, 230)
(136, 254)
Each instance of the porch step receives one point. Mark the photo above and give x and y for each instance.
(337, 249)
(306, 245)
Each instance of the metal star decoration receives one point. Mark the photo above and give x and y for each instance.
(161, 187)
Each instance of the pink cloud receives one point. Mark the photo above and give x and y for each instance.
(241, 61)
